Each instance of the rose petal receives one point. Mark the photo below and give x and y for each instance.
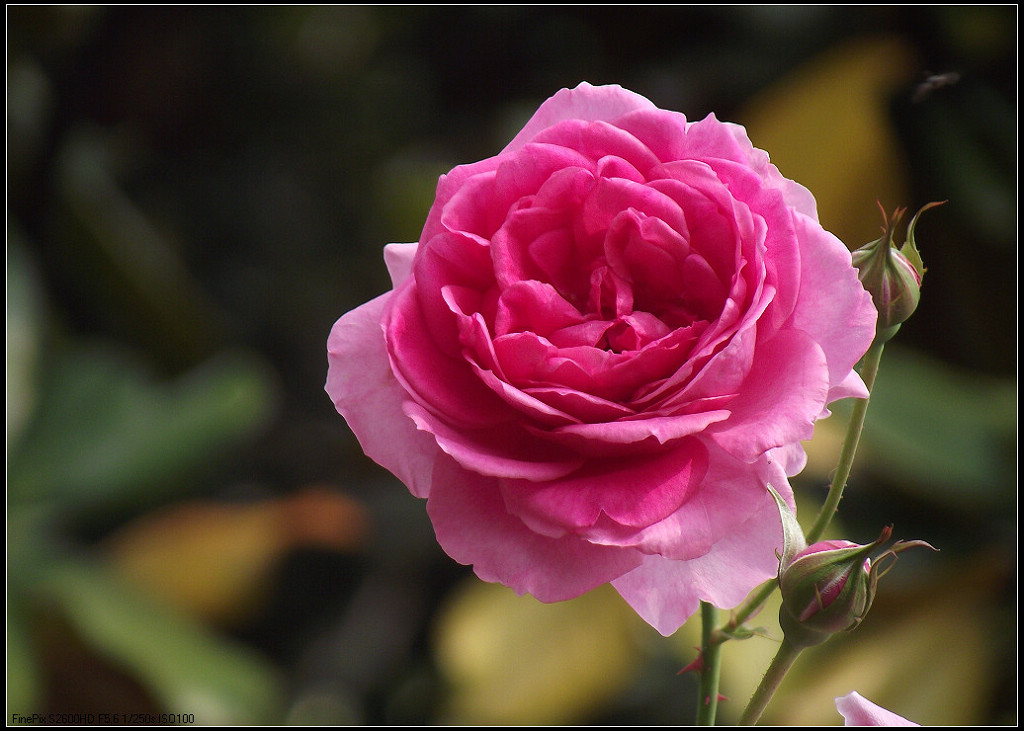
(857, 710)
(585, 102)
(473, 527)
(729, 494)
(399, 260)
(666, 592)
(533, 307)
(780, 398)
(654, 429)
(634, 491)
(502, 450)
(366, 393)
(437, 381)
(600, 140)
(832, 307)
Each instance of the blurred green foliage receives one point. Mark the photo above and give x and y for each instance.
(195, 194)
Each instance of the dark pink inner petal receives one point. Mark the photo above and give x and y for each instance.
(630, 491)
(587, 407)
(443, 384)
(610, 295)
(632, 435)
(529, 172)
(448, 259)
(611, 166)
(596, 140)
(611, 197)
(532, 306)
(664, 133)
(503, 450)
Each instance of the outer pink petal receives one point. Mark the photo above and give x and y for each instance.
(791, 458)
(586, 102)
(366, 393)
(850, 387)
(473, 527)
(399, 258)
(730, 493)
(631, 491)
(781, 397)
(833, 308)
(857, 710)
(666, 593)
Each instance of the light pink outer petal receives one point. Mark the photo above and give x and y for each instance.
(666, 593)
(857, 710)
(791, 457)
(360, 382)
(586, 102)
(850, 387)
(473, 527)
(833, 308)
(398, 258)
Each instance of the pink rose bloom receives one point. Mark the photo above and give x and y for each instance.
(857, 710)
(609, 339)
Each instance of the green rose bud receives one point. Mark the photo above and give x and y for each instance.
(829, 586)
(892, 276)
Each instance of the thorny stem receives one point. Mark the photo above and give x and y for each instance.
(711, 666)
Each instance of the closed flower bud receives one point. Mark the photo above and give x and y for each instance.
(829, 587)
(892, 276)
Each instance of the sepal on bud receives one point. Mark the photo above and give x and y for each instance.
(892, 276)
(829, 587)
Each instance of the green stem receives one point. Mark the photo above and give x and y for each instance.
(770, 683)
(869, 370)
(711, 668)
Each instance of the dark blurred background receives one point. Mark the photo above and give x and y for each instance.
(195, 194)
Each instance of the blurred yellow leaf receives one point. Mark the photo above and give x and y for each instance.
(214, 559)
(826, 126)
(515, 661)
